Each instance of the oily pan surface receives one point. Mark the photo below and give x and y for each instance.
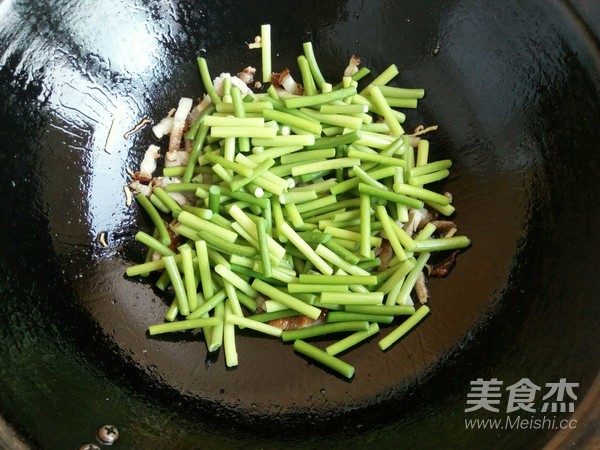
(516, 109)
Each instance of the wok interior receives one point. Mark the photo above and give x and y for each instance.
(515, 109)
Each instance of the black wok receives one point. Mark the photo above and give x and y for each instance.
(515, 88)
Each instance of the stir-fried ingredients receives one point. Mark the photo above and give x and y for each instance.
(298, 212)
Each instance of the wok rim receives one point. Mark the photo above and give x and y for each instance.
(584, 435)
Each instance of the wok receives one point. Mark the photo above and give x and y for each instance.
(515, 89)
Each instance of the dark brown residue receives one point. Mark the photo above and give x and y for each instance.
(443, 268)
(297, 322)
(141, 177)
(137, 128)
(443, 227)
(386, 253)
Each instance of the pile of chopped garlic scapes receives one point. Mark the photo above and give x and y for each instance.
(295, 208)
